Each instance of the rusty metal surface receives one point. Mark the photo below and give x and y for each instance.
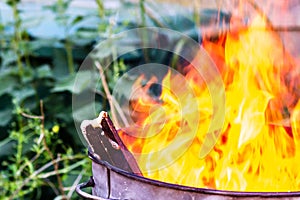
(101, 181)
(113, 183)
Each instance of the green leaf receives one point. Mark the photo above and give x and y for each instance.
(31, 19)
(35, 46)
(60, 69)
(7, 83)
(74, 83)
(8, 57)
(76, 20)
(62, 19)
(5, 116)
(28, 75)
(84, 112)
(65, 84)
(12, 2)
(23, 93)
(44, 71)
(81, 40)
(7, 147)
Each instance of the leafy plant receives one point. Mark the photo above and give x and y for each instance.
(40, 158)
(41, 155)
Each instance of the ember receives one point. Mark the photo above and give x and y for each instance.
(259, 146)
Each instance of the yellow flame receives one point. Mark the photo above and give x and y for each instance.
(259, 148)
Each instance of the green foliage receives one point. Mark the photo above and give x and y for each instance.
(41, 154)
(32, 165)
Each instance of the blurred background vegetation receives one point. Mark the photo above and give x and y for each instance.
(42, 45)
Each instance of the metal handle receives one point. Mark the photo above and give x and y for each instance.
(89, 183)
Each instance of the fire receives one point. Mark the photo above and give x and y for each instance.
(259, 145)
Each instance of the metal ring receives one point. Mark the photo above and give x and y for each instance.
(89, 183)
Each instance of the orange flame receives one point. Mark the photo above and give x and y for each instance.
(259, 147)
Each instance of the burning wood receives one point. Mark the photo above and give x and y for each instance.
(105, 144)
(111, 132)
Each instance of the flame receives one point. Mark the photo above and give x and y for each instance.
(259, 146)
